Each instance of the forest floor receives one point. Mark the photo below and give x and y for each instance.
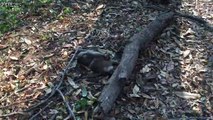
(173, 77)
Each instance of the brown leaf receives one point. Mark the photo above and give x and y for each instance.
(3, 46)
(64, 54)
(45, 67)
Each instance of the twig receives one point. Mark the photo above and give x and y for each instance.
(52, 93)
(32, 118)
(44, 101)
(72, 59)
(71, 114)
(56, 88)
(13, 113)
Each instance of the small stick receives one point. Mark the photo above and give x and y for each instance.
(44, 101)
(61, 79)
(32, 118)
(13, 113)
(71, 114)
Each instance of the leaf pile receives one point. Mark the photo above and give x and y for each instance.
(172, 79)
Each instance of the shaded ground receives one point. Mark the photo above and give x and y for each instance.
(172, 80)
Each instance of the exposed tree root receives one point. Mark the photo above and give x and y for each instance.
(129, 57)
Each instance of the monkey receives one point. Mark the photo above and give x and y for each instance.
(95, 61)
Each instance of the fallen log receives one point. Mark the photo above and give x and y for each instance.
(128, 60)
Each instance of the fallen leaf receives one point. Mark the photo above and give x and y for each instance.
(65, 54)
(1, 112)
(72, 83)
(12, 86)
(90, 96)
(14, 58)
(187, 95)
(45, 67)
(9, 72)
(86, 114)
(68, 45)
(48, 90)
(77, 92)
(21, 77)
(50, 84)
(27, 41)
(164, 74)
(53, 111)
(170, 66)
(84, 91)
(135, 91)
(81, 104)
(48, 56)
(100, 7)
(3, 46)
(188, 32)
(146, 68)
(146, 96)
(186, 53)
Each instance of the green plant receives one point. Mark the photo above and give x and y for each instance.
(9, 16)
(11, 10)
(81, 104)
(67, 10)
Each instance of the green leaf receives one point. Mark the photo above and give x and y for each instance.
(67, 10)
(81, 104)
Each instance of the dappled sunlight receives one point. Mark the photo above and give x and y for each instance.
(172, 78)
(33, 55)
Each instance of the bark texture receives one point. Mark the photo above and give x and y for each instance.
(130, 54)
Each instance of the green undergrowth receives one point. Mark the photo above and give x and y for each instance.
(14, 12)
